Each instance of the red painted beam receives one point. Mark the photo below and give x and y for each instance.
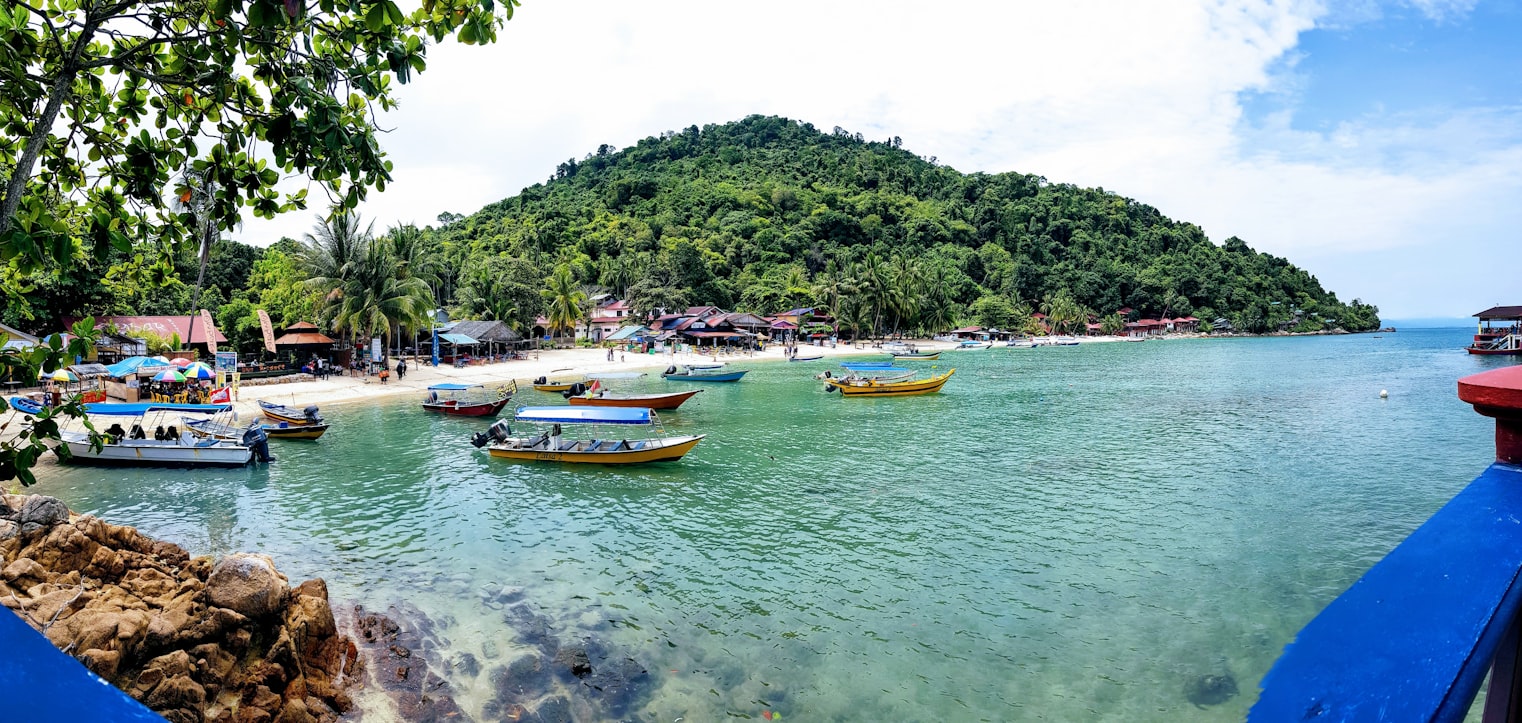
(1498, 394)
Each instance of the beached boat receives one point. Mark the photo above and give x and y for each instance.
(290, 415)
(468, 400)
(815, 357)
(970, 344)
(601, 398)
(546, 384)
(175, 449)
(691, 373)
(863, 387)
(921, 355)
(551, 446)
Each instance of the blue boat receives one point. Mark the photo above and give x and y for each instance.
(700, 374)
(26, 405)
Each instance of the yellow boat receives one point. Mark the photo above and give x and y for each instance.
(550, 446)
(854, 386)
(545, 384)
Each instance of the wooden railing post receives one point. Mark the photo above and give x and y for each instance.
(1498, 394)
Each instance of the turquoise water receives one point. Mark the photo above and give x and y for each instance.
(1062, 534)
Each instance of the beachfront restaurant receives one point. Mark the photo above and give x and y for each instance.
(499, 339)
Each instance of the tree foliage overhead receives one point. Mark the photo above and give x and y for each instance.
(143, 120)
(766, 213)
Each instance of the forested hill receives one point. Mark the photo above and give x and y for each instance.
(766, 213)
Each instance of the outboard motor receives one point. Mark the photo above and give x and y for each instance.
(497, 432)
(671, 369)
(259, 443)
(576, 390)
(312, 416)
(540, 380)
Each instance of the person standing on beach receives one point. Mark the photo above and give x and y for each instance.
(401, 369)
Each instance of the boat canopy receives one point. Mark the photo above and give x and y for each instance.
(868, 365)
(584, 415)
(138, 410)
(452, 387)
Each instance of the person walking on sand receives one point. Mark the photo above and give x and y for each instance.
(610, 353)
(401, 369)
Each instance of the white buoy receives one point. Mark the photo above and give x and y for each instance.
(1384, 394)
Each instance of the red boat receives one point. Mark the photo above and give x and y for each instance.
(468, 400)
(648, 401)
(1490, 339)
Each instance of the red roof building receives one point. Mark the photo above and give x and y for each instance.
(190, 328)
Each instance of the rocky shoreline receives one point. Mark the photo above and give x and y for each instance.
(190, 639)
(230, 641)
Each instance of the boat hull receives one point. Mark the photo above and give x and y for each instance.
(556, 386)
(726, 377)
(1493, 352)
(470, 409)
(663, 450)
(649, 401)
(294, 417)
(918, 355)
(145, 453)
(805, 358)
(300, 431)
(874, 388)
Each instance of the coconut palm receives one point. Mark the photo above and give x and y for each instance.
(377, 298)
(330, 254)
(564, 298)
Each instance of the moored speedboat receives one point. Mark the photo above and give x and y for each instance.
(865, 387)
(551, 446)
(290, 415)
(468, 400)
(691, 373)
(601, 398)
(547, 384)
(170, 448)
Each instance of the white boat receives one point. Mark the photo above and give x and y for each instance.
(1020, 344)
(1064, 341)
(172, 447)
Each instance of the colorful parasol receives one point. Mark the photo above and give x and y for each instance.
(62, 375)
(169, 375)
(199, 371)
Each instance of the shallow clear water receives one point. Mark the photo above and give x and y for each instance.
(1062, 534)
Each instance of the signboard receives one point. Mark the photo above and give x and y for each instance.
(269, 331)
(227, 361)
(375, 348)
(210, 329)
(435, 347)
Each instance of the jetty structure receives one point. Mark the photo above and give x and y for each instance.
(1499, 331)
(1416, 636)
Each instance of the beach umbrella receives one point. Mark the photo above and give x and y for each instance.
(169, 375)
(62, 375)
(157, 361)
(181, 362)
(199, 371)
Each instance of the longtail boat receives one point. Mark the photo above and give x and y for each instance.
(290, 415)
(864, 387)
(468, 400)
(616, 448)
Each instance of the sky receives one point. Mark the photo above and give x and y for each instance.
(1375, 143)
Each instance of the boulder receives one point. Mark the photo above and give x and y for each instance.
(247, 584)
(43, 511)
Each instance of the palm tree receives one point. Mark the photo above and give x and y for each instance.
(330, 253)
(198, 200)
(873, 279)
(564, 298)
(378, 298)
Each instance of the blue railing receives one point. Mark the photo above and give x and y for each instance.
(1413, 639)
(40, 684)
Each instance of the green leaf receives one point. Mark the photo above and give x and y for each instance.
(375, 19)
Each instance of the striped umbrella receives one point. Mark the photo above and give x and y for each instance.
(62, 375)
(170, 375)
(199, 371)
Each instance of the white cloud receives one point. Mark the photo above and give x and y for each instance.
(1140, 98)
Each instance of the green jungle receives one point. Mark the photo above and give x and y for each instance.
(763, 214)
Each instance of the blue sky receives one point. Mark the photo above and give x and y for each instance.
(1378, 144)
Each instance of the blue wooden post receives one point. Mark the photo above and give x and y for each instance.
(1413, 639)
